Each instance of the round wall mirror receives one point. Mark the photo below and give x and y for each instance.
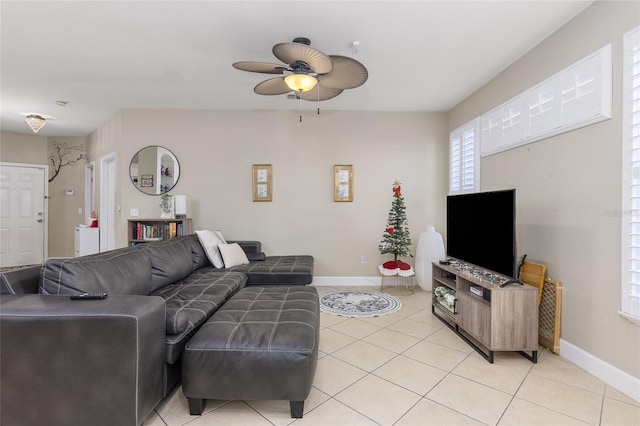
(154, 170)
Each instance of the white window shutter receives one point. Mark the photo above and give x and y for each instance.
(455, 161)
(544, 107)
(630, 304)
(513, 122)
(581, 91)
(572, 98)
(491, 131)
(464, 159)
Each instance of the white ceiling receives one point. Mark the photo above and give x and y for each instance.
(105, 56)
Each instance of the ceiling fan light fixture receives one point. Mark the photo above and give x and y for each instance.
(300, 82)
(35, 122)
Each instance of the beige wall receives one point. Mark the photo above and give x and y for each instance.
(63, 209)
(566, 184)
(216, 150)
(26, 148)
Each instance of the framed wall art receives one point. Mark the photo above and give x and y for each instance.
(262, 178)
(343, 182)
(146, 181)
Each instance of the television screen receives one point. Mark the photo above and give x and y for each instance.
(481, 230)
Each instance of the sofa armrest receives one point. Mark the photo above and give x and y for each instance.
(64, 362)
(20, 281)
(253, 249)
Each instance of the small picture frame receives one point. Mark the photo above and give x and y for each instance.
(343, 183)
(146, 181)
(262, 178)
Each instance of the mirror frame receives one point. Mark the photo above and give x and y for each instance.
(154, 177)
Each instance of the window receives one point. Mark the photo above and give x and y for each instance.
(464, 159)
(572, 98)
(631, 177)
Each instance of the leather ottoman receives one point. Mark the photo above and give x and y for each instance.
(262, 344)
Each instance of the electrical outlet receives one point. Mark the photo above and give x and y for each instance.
(134, 213)
(363, 259)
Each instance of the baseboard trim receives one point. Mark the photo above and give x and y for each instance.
(613, 376)
(346, 281)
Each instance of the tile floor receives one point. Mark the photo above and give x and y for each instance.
(407, 368)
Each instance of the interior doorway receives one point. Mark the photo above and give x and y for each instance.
(89, 189)
(23, 214)
(106, 220)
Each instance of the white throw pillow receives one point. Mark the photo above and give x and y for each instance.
(233, 255)
(210, 243)
(220, 237)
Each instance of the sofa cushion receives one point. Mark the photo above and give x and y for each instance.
(177, 320)
(233, 255)
(117, 272)
(283, 270)
(197, 296)
(171, 261)
(198, 255)
(210, 241)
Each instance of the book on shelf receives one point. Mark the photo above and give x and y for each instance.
(157, 231)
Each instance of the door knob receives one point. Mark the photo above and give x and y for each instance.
(39, 220)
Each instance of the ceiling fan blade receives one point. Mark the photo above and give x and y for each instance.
(262, 67)
(347, 73)
(273, 86)
(319, 93)
(291, 52)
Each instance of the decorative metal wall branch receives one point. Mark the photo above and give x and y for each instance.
(64, 155)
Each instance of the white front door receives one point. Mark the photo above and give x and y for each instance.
(22, 214)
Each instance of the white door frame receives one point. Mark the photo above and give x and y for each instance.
(107, 229)
(89, 189)
(45, 203)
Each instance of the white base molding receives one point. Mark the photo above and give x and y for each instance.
(613, 376)
(346, 281)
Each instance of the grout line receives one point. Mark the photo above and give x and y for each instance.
(602, 405)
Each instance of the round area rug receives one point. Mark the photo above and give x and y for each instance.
(358, 303)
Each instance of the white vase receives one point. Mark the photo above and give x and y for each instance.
(430, 249)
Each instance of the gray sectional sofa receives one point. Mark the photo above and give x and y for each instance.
(110, 361)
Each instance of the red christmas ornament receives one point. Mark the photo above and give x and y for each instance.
(390, 230)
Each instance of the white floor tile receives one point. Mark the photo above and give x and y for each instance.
(408, 369)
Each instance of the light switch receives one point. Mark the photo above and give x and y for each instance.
(79, 210)
(134, 213)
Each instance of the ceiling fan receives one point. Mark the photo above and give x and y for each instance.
(311, 74)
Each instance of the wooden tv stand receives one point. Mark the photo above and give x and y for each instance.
(503, 318)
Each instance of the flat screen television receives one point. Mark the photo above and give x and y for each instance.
(481, 230)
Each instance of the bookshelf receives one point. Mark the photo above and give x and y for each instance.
(147, 230)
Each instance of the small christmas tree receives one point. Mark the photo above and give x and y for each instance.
(395, 239)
